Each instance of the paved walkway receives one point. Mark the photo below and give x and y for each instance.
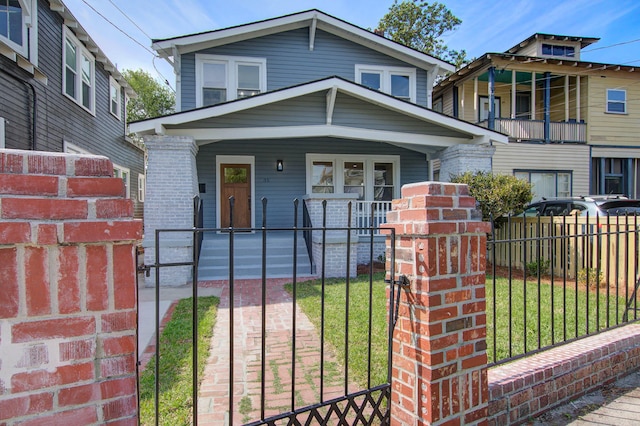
(213, 404)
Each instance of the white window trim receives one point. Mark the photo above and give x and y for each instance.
(113, 83)
(338, 161)
(117, 172)
(236, 159)
(2, 127)
(80, 50)
(231, 63)
(142, 187)
(385, 80)
(28, 49)
(624, 103)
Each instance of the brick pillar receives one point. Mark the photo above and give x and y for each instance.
(67, 291)
(439, 347)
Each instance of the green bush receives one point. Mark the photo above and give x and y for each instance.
(593, 273)
(496, 194)
(541, 265)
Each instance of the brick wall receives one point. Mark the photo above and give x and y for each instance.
(439, 350)
(67, 280)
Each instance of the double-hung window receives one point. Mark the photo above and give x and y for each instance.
(17, 24)
(78, 82)
(396, 81)
(115, 98)
(617, 101)
(371, 177)
(226, 78)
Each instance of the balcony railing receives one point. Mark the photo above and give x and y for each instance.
(533, 130)
(371, 214)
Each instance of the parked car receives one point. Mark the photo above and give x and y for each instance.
(585, 205)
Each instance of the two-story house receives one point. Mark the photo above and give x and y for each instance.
(573, 125)
(300, 106)
(59, 92)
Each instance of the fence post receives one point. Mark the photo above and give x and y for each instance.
(67, 291)
(439, 348)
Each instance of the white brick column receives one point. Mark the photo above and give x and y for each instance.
(458, 159)
(335, 250)
(172, 182)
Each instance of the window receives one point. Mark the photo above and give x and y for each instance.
(17, 25)
(225, 78)
(142, 187)
(398, 82)
(438, 105)
(79, 72)
(558, 50)
(616, 101)
(370, 177)
(114, 98)
(124, 174)
(483, 112)
(547, 183)
(2, 143)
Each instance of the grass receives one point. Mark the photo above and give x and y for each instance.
(309, 298)
(176, 351)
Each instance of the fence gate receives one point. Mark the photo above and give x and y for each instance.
(315, 350)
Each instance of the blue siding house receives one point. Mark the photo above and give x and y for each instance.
(303, 106)
(59, 92)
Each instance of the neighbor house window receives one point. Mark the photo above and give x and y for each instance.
(617, 101)
(225, 78)
(438, 105)
(114, 98)
(558, 50)
(547, 183)
(373, 178)
(395, 81)
(16, 19)
(142, 187)
(124, 174)
(78, 81)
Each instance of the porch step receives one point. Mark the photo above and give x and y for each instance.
(214, 257)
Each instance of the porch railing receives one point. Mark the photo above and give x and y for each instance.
(370, 215)
(533, 130)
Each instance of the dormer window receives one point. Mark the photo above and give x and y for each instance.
(558, 50)
(226, 78)
(395, 81)
(16, 17)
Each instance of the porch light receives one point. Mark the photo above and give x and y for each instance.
(279, 165)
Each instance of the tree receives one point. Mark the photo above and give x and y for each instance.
(497, 194)
(421, 25)
(154, 99)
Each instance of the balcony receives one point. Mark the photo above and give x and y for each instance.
(533, 130)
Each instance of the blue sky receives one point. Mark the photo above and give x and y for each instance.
(487, 26)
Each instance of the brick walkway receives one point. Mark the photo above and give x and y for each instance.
(213, 403)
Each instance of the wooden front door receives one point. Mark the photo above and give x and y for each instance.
(235, 180)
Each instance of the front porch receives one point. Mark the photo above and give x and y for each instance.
(521, 130)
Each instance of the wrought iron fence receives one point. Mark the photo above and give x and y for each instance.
(344, 403)
(552, 280)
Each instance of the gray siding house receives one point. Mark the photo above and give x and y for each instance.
(302, 106)
(59, 92)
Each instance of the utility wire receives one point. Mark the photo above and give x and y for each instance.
(129, 19)
(612, 45)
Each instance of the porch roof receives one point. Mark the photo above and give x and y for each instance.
(275, 115)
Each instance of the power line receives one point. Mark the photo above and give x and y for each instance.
(129, 19)
(612, 45)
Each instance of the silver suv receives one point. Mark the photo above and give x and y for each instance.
(586, 205)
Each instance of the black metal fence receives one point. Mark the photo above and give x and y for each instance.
(348, 402)
(552, 280)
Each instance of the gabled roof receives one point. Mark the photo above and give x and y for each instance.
(312, 19)
(584, 41)
(467, 133)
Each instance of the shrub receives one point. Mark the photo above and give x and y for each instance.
(593, 273)
(541, 265)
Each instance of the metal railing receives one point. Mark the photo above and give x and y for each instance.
(552, 280)
(370, 215)
(533, 130)
(308, 234)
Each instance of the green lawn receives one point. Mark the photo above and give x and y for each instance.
(309, 298)
(176, 364)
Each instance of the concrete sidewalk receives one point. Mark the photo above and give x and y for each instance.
(147, 308)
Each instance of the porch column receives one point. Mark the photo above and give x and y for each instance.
(172, 182)
(464, 158)
(533, 95)
(547, 106)
(334, 252)
(492, 97)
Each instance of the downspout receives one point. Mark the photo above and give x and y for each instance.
(492, 97)
(547, 106)
(34, 114)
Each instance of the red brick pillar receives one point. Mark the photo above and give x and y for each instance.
(439, 348)
(67, 291)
